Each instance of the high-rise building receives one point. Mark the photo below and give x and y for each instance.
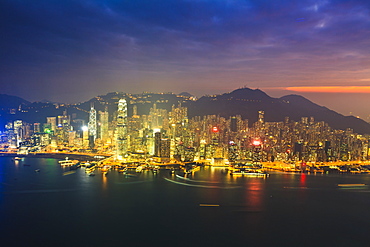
(53, 123)
(233, 124)
(36, 128)
(122, 128)
(103, 115)
(157, 143)
(18, 131)
(92, 126)
(261, 117)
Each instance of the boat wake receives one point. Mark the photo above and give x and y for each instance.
(68, 173)
(202, 186)
(196, 181)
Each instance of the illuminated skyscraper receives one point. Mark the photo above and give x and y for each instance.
(157, 144)
(53, 123)
(261, 117)
(122, 128)
(233, 124)
(103, 125)
(36, 128)
(92, 126)
(18, 131)
(64, 126)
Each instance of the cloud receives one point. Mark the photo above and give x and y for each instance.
(266, 43)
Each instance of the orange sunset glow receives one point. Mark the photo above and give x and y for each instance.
(331, 89)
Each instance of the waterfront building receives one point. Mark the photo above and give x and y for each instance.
(168, 134)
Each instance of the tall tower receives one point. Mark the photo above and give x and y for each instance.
(122, 128)
(53, 123)
(104, 125)
(92, 126)
(261, 117)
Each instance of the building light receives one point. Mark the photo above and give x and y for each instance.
(256, 143)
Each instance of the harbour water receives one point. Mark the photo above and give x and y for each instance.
(54, 207)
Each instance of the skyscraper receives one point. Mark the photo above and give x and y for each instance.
(103, 125)
(122, 128)
(92, 126)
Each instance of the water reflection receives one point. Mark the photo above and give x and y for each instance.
(303, 180)
(104, 181)
(254, 194)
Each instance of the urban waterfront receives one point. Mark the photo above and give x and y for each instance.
(44, 204)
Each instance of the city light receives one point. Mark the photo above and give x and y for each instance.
(160, 136)
(256, 143)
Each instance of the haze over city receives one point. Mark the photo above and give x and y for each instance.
(71, 51)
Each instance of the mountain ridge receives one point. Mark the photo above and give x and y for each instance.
(243, 101)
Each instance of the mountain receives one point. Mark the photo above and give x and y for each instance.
(186, 94)
(247, 102)
(11, 102)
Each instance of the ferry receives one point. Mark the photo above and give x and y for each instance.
(248, 172)
(122, 170)
(156, 169)
(68, 162)
(90, 168)
(105, 168)
(139, 169)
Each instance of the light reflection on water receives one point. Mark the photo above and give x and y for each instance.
(254, 195)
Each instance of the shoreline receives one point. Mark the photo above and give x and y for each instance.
(62, 156)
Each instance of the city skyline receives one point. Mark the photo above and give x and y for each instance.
(72, 51)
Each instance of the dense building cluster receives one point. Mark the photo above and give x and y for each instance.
(170, 135)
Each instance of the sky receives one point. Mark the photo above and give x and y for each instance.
(70, 51)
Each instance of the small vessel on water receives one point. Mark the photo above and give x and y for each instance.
(91, 174)
(156, 169)
(139, 169)
(248, 172)
(90, 167)
(68, 162)
(122, 170)
(17, 158)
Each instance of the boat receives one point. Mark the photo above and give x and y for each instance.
(105, 168)
(122, 170)
(90, 168)
(156, 169)
(91, 174)
(17, 158)
(139, 169)
(68, 162)
(248, 172)
(37, 170)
